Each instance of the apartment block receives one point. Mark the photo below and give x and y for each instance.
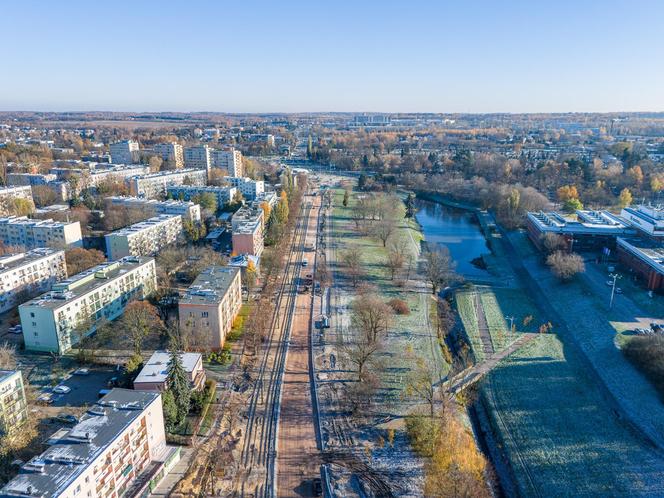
(145, 238)
(153, 375)
(198, 157)
(32, 179)
(250, 189)
(16, 192)
(224, 195)
(248, 239)
(92, 177)
(212, 302)
(171, 153)
(188, 210)
(21, 231)
(155, 184)
(228, 159)
(54, 321)
(115, 450)
(124, 152)
(28, 273)
(13, 405)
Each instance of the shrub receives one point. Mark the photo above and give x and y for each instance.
(399, 306)
(647, 354)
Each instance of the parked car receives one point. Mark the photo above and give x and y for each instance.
(324, 322)
(618, 290)
(67, 419)
(45, 399)
(305, 263)
(609, 283)
(82, 371)
(61, 389)
(16, 329)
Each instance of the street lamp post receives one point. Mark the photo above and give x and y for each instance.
(511, 319)
(614, 276)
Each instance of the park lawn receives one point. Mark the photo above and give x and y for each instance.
(499, 303)
(408, 336)
(560, 436)
(465, 304)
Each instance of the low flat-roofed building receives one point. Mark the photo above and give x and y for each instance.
(29, 273)
(32, 179)
(645, 258)
(145, 238)
(649, 220)
(212, 303)
(21, 231)
(187, 209)
(53, 208)
(13, 404)
(155, 184)
(115, 450)
(152, 376)
(224, 195)
(54, 321)
(589, 230)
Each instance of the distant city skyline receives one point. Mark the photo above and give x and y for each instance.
(296, 56)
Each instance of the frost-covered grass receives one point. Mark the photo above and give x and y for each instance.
(465, 304)
(560, 436)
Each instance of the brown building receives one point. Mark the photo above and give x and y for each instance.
(645, 259)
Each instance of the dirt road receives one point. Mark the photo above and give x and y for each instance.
(298, 460)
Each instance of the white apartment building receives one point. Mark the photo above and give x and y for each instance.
(29, 178)
(155, 184)
(198, 157)
(229, 160)
(29, 273)
(171, 152)
(224, 195)
(52, 322)
(145, 238)
(16, 192)
(250, 189)
(91, 178)
(124, 152)
(188, 210)
(118, 448)
(212, 302)
(13, 405)
(21, 231)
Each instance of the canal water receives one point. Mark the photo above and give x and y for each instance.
(458, 230)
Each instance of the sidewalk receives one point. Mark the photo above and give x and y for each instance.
(173, 477)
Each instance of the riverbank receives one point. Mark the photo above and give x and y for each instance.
(541, 406)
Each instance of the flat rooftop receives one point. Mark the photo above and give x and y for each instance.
(51, 472)
(174, 172)
(67, 290)
(5, 374)
(211, 285)
(588, 222)
(24, 220)
(13, 261)
(156, 368)
(649, 252)
(143, 225)
(151, 202)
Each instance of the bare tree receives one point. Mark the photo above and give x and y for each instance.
(564, 265)
(396, 257)
(553, 242)
(140, 320)
(7, 356)
(352, 259)
(424, 382)
(384, 228)
(371, 317)
(439, 268)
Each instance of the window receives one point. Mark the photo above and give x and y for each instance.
(32, 315)
(204, 314)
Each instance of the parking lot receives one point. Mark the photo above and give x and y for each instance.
(82, 390)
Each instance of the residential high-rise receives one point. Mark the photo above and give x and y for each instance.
(117, 449)
(229, 160)
(198, 157)
(13, 406)
(124, 152)
(155, 184)
(21, 231)
(58, 319)
(187, 209)
(145, 238)
(25, 274)
(212, 302)
(171, 153)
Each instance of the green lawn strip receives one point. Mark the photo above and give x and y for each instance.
(465, 303)
(561, 432)
(499, 303)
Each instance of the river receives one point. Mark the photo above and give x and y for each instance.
(455, 228)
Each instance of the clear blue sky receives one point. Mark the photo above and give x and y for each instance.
(250, 56)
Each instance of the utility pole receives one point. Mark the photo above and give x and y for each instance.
(511, 319)
(614, 276)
